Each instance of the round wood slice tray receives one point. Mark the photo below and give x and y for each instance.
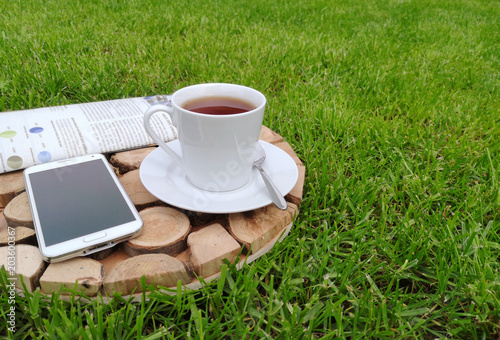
(176, 247)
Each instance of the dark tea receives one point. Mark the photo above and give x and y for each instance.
(218, 106)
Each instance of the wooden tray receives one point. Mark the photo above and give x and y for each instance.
(175, 246)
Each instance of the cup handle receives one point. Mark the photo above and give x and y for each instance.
(147, 116)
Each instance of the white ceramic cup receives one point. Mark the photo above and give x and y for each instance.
(217, 150)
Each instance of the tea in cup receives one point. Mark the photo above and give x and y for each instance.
(218, 125)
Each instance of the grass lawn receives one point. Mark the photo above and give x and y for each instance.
(393, 106)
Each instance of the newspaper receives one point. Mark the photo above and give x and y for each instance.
(48, 134)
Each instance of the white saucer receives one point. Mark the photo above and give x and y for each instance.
(165, 180)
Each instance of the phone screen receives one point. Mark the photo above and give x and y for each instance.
(77, 200)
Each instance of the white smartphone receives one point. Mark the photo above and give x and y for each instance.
(79, 207)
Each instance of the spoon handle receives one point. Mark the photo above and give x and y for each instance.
(276, 196)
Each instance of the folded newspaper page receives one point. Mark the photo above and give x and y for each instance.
(48, 134)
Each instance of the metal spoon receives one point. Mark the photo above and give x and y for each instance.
(277, 197)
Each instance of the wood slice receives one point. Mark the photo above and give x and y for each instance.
(295, 195)
(268, 135)
(80, 274)
(101, 254)
(184, 258)
(164, 231)
(129, 160)
(157, 269)
(11, 185)
(28, 264)
(18, 213)
(209, 246)
(3, 221)
(255, 228)
(117, 256)
(139, 195)
(198, 218)
(22, 235)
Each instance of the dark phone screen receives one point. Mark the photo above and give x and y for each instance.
(77, 200)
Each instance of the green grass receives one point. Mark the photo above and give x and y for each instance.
(393, 106)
